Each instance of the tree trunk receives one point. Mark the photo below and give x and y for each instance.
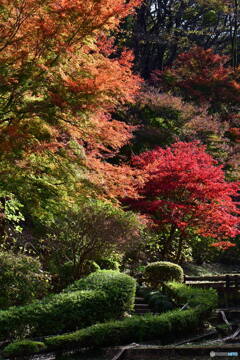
(168, 244)
(179, 250)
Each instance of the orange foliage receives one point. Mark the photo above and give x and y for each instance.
(61, 76)
(223, 245)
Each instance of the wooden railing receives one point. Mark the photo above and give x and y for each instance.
(217, 281)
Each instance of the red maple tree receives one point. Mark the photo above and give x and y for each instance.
(201, 75)
(186, 194)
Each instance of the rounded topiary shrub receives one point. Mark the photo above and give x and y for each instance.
(120, 289)
(157, 273)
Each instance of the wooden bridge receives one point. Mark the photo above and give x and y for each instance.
(229, 281)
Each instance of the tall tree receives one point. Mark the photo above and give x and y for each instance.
(60, 77)
(186, 194)
(202, 76)
(165, 28)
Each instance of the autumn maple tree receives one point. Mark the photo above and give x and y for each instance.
(209, 81)
(60, 78)
(186, 194)
(202, 76)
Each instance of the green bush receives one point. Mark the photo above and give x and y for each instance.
(101, 296)
(65, 274)
(166, 327)
(90, 230)
(120, 288)
(24, 347)
(195, 297)
(160, 272)
(21, 279)
(108, 264)
(56, 314)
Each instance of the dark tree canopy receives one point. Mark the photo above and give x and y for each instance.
(165, 28)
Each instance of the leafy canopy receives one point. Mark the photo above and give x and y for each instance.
(186, 193)
(60, 77)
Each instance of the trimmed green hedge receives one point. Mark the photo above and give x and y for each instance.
(165, 327)
(138, 328)
(160, 272)
(195, 297)
(101, 296)
(120, 288)
(23, 348)
(59, 313)
(159, 302)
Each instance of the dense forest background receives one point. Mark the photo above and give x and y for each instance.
(119, 133)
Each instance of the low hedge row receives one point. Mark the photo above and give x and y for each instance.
(165, 327)
(159, 302)
(138, 328)
(24, 347)
(102, 296)
(194, 297)
(62, 312)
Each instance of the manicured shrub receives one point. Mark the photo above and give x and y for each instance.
(56, 314)
(166, 327)
(195, 297)
(120, 288)
(160, 272)
(108, 264)
(21, 279)
(101, 296)
(23, 347)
